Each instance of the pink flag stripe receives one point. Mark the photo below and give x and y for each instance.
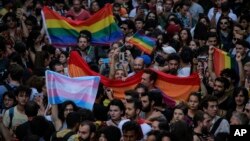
(74, 82)
(80, 90)
(85, 95)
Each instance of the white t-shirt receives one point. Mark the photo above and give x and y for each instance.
(184, 72)
(18, 118)
(224, 126)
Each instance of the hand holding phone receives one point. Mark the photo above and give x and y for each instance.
(121, 56)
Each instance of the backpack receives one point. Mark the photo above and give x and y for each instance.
(64, 138)
(11, 115)
(216, 125)
(8, 87)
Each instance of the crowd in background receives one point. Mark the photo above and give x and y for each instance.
(187, 33)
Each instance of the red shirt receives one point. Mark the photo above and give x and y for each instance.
(81, 16)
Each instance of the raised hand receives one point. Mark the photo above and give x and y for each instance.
(238, 57)
(211, 50)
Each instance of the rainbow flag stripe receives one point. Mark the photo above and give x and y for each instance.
(143, 42)
(173, 88)
(64, 32)
(222, 60)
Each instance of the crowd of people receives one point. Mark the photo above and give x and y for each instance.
(187, 34)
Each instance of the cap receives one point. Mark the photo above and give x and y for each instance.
(146, 59)
(168, 49)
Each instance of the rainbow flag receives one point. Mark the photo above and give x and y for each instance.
(223, 60)
(81, 90)
(173, 88)
(64, 32)
(143, 42)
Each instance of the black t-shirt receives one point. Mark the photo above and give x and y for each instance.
(42, 129)
(100, 112)
(225, 104)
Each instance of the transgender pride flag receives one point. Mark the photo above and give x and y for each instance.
(81, 90)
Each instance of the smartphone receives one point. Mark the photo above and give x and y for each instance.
(122, 56)
(105, 60)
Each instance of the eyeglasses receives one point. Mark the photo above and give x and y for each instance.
(236, 39)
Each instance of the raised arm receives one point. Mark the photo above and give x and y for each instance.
(23, 25)
(210, 63)
(55, 119)
(241, 72)
(112, 63)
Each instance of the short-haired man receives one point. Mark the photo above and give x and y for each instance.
(149, 78)
(173, 61)
(241, 47)
(159, 124)
(151, 101)
(16, 115)
(219, 125)
(202, 123)
(57, 66)
(86, 132)
(131, 131)
(77, 12)
(133, 109)
(221, 84)
(247, 111)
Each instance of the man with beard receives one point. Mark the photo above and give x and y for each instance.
(173, 62)
(149, 78)
(202, 123)
(83, 46)
(221, 84)
(151, 101)
(140, 63)
(77, 12)
(133, 109)
(86, 132)
(219, 126)
(135, 52)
